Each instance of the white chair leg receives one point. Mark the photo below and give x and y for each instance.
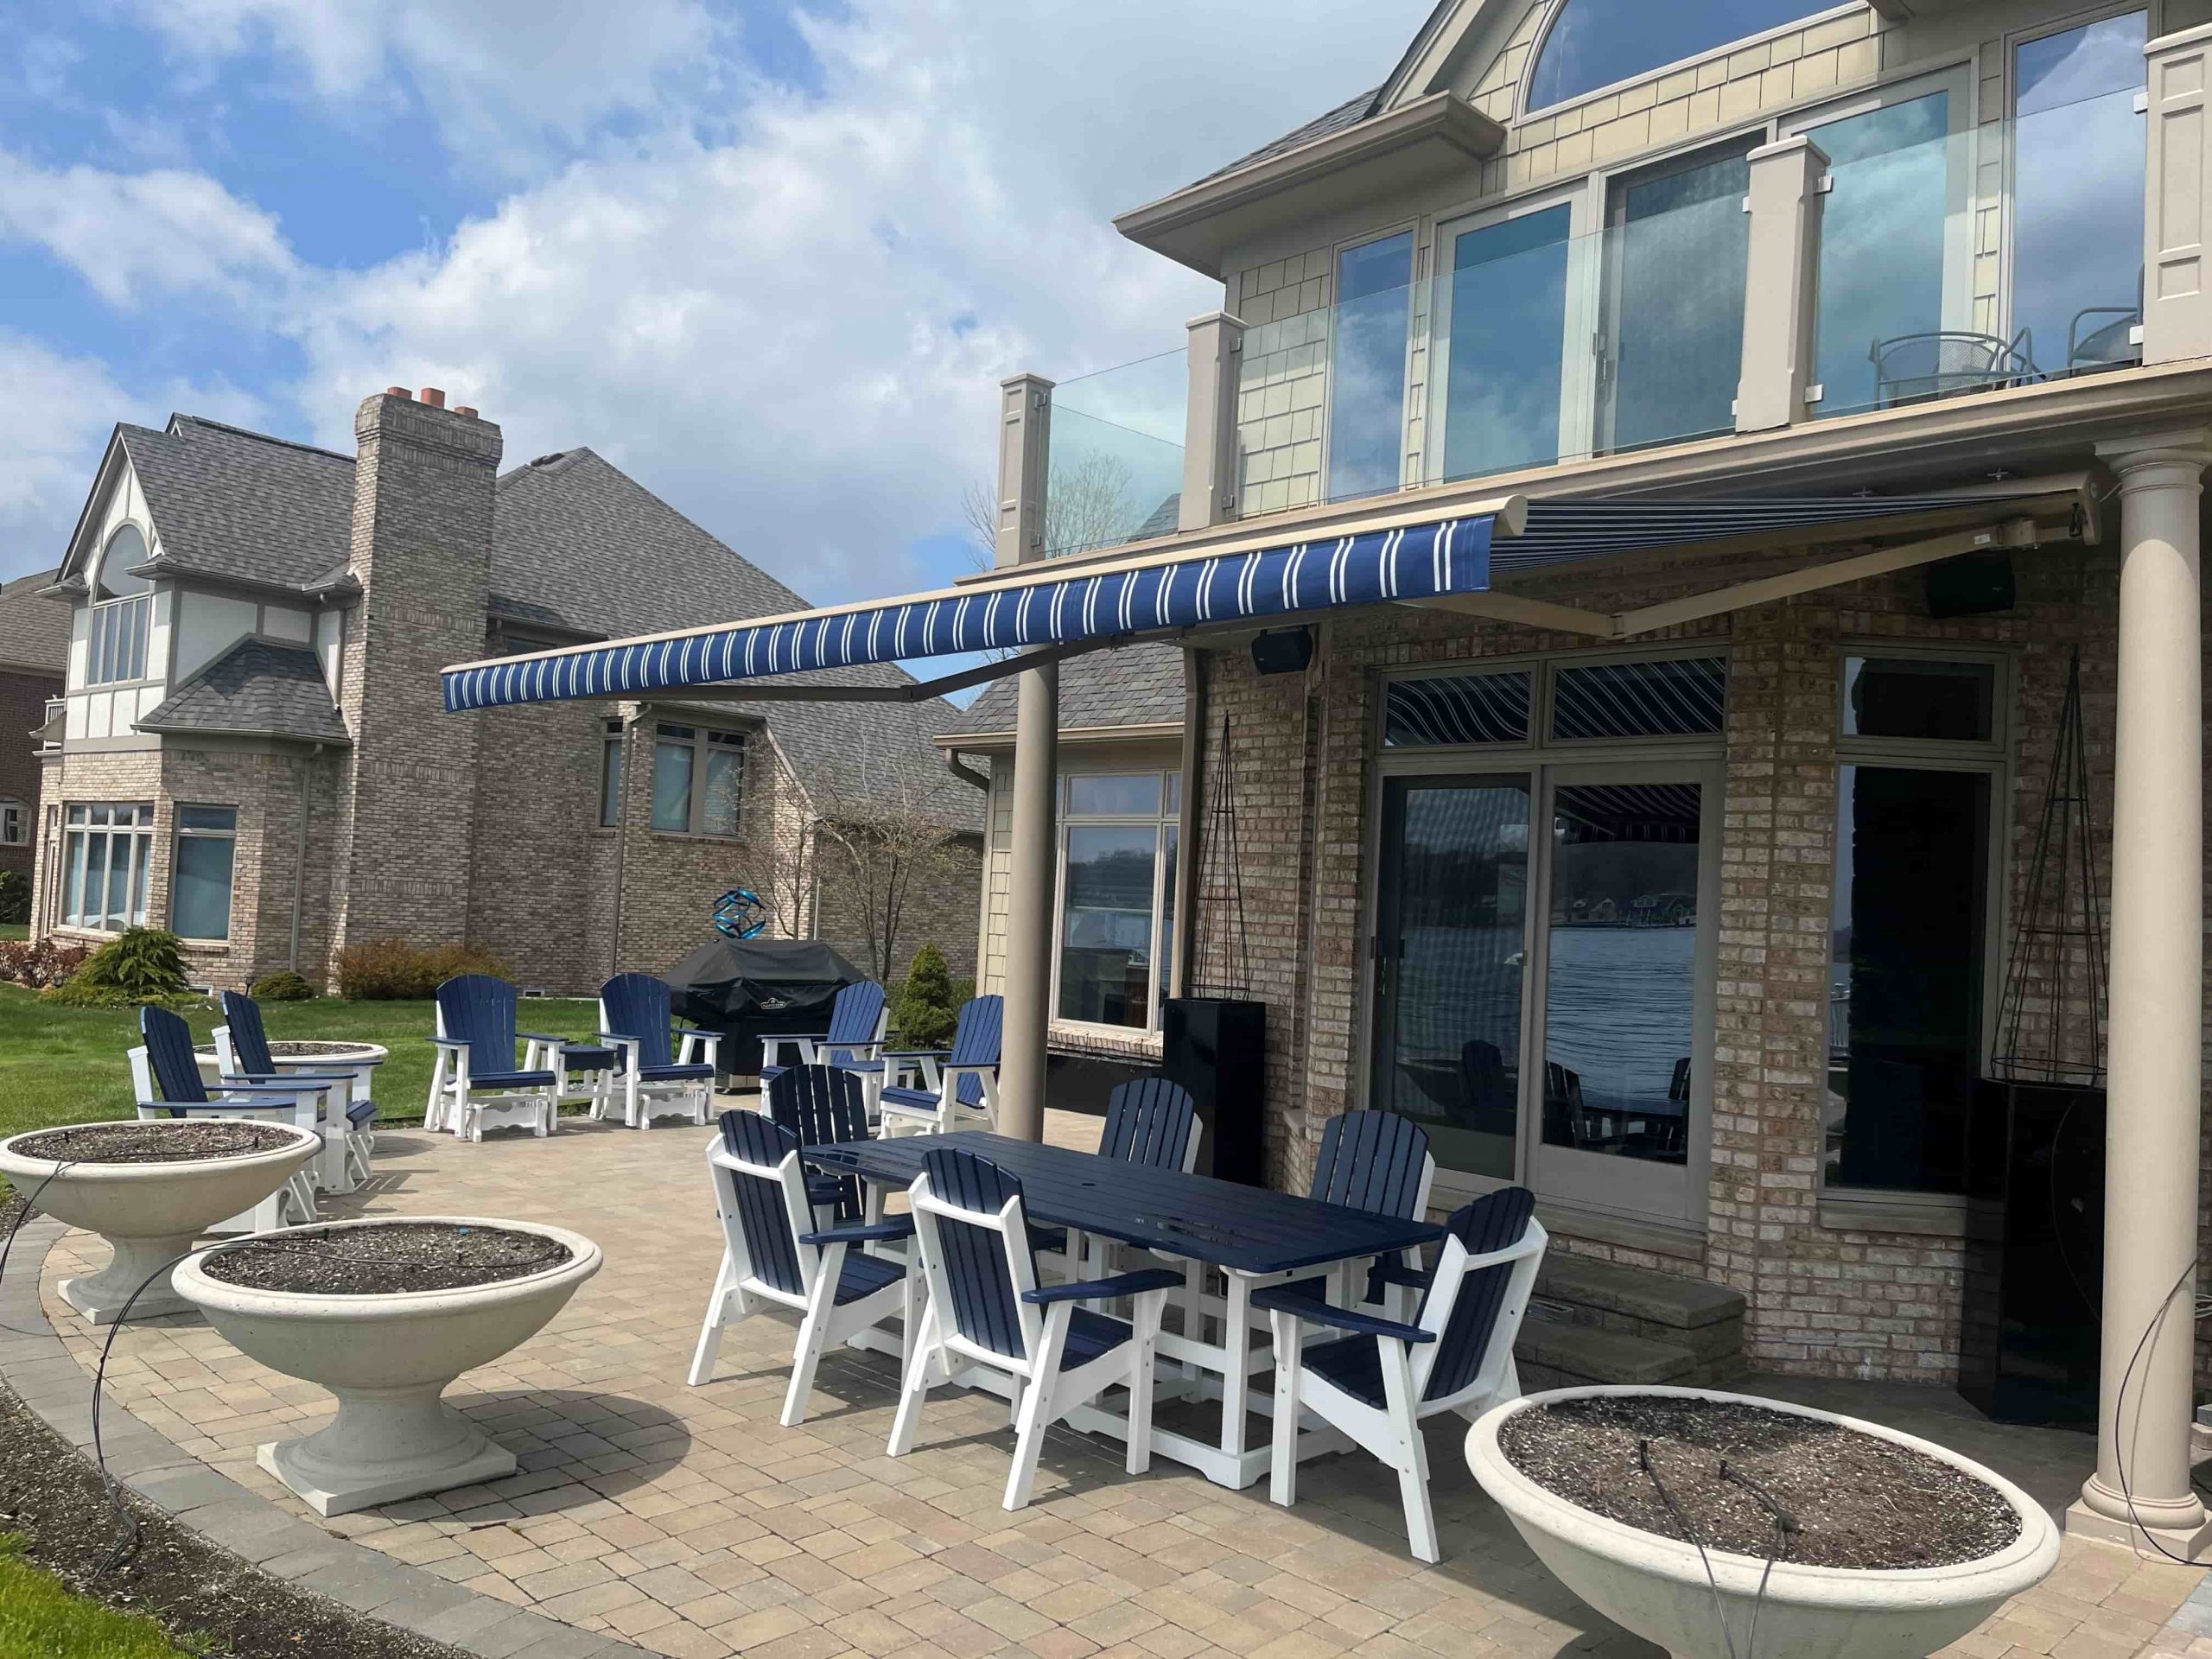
(1283, 1464)
(812, 1333)
(1145, 1336)
(710, 1329)
(916, 1386)
(1037, 1407)
(433, 1111)
(1410, 1455)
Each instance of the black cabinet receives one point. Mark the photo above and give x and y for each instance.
(2028, 1347)
(1217, 1049)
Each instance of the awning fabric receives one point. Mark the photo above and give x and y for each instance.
(1042, 607)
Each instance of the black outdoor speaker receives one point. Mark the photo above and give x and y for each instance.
(1972, 584)
(1283, 651)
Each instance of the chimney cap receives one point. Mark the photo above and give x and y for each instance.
(463, 409)
(433, 396)
(399, 391)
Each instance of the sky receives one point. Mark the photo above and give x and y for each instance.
(769, 259)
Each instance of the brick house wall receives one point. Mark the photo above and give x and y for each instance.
(1825, 1300)
(23, 709)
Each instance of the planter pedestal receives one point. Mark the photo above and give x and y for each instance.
(100, 1296)
(385, 1445)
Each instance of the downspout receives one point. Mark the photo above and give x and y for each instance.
(966, 774)
(299, 852)
(621, 849)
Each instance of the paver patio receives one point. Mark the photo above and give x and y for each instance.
(687, 1521)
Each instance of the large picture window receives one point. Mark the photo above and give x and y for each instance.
(1367, 367)
(698, 780)
(107, 853)
(200, 884)
(120, 623)
(1117, 895)
(1916, 787)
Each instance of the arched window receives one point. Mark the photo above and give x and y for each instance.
(1593, 43)
(122, 617)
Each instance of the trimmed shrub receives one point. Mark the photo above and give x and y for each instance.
(40, 963)
(392, 970)
(286, 987)
(928, 1006)
(15, 896)
(140, 964)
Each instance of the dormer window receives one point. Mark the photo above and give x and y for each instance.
(122, 615)
(1596, 43)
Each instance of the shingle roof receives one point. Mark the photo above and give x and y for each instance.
(1347, 115)
(1134, 685)
(228, 502)
(33, 631)
(261, 686)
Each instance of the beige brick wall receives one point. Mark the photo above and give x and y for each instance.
(1825, 1300)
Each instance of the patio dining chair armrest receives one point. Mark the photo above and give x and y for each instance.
(448, 1042)
(795, 1037)
(919, 1054)
(546, 1036)
(616, 1037)
(1281, 1299)
(1390, 1271)
(290, 1091)
(208, 1106)
(305, 1079)
(693, 1031)
(858, 1233)
(1106, 1290)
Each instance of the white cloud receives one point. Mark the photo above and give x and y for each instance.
(54, 424)
(795, 334)
(133, 236)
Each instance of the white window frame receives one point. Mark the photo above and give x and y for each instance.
(1411, 229)
(120, 623)
(1726, 49)
(137, 837)
(184, 832)
(15, 822)
(1992, 758)
(702, 739)
(1167, 822)
(614, 742)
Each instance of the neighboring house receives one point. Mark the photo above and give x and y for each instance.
(33, 650)
(253, 753)
(1121, 821)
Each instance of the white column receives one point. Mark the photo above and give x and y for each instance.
(2157, 1006)
(1211, 462)
(2177, 200)
(1779, 283)
(1025, 453)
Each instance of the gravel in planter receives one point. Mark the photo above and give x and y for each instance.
(389, 1257)
(158, 1140)
(1851, 1500)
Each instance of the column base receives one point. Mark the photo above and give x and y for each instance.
(2190, 1543)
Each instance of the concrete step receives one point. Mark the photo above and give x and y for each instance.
(1660, 1299)
(1557, 1354)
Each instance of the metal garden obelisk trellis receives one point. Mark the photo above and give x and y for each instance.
(1222, 955)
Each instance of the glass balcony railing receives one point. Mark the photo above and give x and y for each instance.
(1115, 468)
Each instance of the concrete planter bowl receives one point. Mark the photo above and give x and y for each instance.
(148, 1213)
(326, 1057)
(388, 1358)
(1658, 1588)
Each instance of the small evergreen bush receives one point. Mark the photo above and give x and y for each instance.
(286, 987)
(927, 1008)
(140, 964)
(15, 896)
(392, 970)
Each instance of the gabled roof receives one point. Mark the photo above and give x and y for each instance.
(258, 688)
(1136, 685)
(34, 630)
(230, 503)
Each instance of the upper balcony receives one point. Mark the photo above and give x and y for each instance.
(1892, 255)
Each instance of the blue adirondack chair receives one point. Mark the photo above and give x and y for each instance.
(476, 1077)
(165, 1077)
(635, 1017)
(242, 1049)
(987, 1309)
(1150, 1121)
(1378, 1381)
(960, 1085)
(1377, 1161)
(855, 1039)
(823, 1105)
(774, 1253)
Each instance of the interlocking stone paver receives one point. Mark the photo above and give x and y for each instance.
(685, 1522)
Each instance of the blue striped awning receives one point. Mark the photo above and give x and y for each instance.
(1041, 607)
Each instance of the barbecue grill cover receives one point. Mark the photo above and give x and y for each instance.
(749, 988)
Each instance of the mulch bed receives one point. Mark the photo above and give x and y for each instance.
(198, 1592)
(1795, 1488)
(158, 1140)
(388, 1257)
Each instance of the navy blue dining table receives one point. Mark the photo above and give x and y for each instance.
(1255, 1237)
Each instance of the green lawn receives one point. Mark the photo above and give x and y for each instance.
(15, 930)
(40, 1620)
(67, 1065)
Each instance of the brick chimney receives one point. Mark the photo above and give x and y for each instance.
(421, 550)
